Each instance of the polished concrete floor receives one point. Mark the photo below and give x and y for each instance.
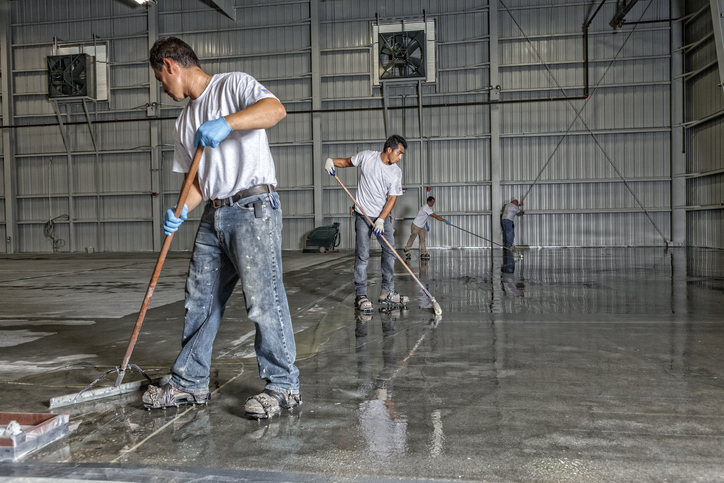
(565, 365)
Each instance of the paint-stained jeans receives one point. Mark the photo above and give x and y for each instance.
(362, 255)
(509, 232)
(232, 244)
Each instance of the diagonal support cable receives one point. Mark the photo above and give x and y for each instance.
(578, 115)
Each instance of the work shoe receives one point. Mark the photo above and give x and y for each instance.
(270, 403)
(361, 302)
(393, 298)
(425, 256)
(168, 396)
(407, 253)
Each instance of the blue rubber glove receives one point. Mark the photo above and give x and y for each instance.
(171, 223)
(211, 133)
(379, 228)
(427, 227)
(447, 222)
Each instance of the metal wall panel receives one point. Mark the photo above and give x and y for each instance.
(591, 229)
(706, 145)
(593, 196)
(448, 150)
(706, 191)
(458, 161)
(637, 155)
(294, 232)
(704, 133)
(706, 228)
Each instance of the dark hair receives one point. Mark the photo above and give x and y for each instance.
(175, 49)
(394, 142)
(430, 198)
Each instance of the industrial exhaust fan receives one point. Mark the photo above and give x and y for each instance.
(404, 51)
(71, 76)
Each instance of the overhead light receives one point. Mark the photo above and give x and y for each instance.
(143, 2)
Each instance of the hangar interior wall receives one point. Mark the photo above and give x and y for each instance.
(592, 170)
(704, 133)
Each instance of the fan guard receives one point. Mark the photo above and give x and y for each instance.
(402, 55)
(70, 75)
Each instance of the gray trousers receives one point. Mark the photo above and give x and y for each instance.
(362, 255)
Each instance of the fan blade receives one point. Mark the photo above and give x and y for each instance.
(414, 48)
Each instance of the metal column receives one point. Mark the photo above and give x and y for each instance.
(496, 201)
(69, 168)
(8, 135)
(678, 156)
(317, 163)
(154, 110)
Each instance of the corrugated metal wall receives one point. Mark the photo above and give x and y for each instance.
(705, 130)
(573, 184)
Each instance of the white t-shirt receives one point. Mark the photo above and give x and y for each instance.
(243, 159)
(378, 181)
(422, 215)
(510, 211)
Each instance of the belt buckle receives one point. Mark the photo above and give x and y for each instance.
(217, 203)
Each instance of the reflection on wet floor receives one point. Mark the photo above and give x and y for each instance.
(383, 426)
(566, 365)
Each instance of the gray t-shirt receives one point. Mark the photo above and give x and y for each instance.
(378, 181)
(243, 159)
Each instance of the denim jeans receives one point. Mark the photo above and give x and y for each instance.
(232, 244)
(362, 255)
(509, 231)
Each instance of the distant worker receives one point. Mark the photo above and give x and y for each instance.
(510, 211)
(378, 189)
(417, 228)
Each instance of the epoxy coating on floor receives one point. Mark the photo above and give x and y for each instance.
(599, 364)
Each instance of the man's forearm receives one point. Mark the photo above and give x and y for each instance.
(387, 209)
(262, 115)
(194, 197)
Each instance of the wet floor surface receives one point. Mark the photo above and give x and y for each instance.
(565, 365)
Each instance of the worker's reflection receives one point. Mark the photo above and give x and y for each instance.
(424, 300)
(511, 286)
(383, 427)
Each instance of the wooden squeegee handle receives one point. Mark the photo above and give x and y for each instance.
(161, 258)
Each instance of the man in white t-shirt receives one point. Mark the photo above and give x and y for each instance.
(239, 236)
(417, 228)
(510, 211)
(379, 186)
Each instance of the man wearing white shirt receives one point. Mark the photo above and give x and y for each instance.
(417, 228)
(379, 186)
(510, 211)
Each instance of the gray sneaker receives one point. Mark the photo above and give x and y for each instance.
(393, 298)
(270, 403)
(168, 396)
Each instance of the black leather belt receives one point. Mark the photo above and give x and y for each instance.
(254, 190)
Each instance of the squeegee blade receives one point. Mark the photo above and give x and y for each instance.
(103, 392)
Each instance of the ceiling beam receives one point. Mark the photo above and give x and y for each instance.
(622, 9)
(226, 6)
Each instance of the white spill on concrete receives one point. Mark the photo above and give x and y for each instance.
(12, 370)
(11, 338)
